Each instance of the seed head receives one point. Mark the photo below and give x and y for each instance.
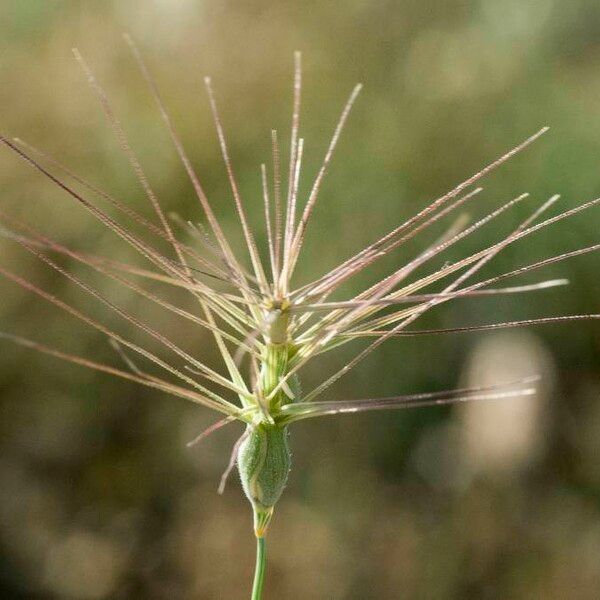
(267, 327)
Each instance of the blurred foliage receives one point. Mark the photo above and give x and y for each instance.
(99, 498)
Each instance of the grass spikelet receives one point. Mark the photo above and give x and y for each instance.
(259, 312)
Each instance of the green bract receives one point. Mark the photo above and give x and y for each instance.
(264, 464)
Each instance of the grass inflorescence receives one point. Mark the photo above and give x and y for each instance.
(265, 326)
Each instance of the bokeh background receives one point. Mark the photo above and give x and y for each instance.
(100, 498)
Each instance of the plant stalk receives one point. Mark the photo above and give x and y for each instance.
(259, 572)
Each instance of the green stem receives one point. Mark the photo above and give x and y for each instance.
(259, 572)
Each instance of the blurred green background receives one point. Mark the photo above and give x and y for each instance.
(100, 498)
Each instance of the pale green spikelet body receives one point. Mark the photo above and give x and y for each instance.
(264, 464)
(264, 457)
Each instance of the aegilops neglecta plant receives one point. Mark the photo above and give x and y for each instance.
(265, 327)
